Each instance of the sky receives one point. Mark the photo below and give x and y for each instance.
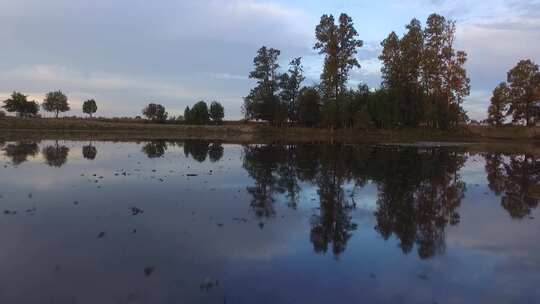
(127, 53)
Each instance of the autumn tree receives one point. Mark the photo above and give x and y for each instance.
(499, 104)
(217, 112)
(443, 74)
(18, 103)
(89, 107)
(155, 112)
(524, 86)
(339, 44)
(263, 102)
(290, 84)
(56, 102)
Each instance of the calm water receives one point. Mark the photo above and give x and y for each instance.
(199, 222)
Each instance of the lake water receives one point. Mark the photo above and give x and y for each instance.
(201, 222)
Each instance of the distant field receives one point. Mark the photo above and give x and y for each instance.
(247, 132)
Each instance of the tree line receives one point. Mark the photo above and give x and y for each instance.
(518, 98)
(55, 102)
(424, 80)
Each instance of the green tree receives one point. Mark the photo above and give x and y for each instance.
(499, 103)
(89, 107)
(524, 83)
(56, 102)
(339, 45)
(309, 107)
(155, 112)
(19, 103)
(199, 114)
(290, 84)
(263, 103)
(443, 74)
(217, 112)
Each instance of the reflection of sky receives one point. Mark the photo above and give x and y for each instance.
(55, 255)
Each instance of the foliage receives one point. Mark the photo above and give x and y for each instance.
(89, 107)
(263, 102)
(19, 103)
(499, 104)
(309, 107)
(339, 45)
(217, 112)
(290, 85)
(155, 112)
(56, 102)
(198, 115)
(524, 92)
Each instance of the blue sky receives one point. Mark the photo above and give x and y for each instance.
(126, 53)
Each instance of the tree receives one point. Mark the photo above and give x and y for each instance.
(217, 112)
(263, 103)
(90, 107)
(290, 84)
(199, 114)
(524, 84)
(19, 103)
(443, 74)
(155, 112)
(56, 102)
(187, 115)
(499, 103)
(339, 45)
(309, 107)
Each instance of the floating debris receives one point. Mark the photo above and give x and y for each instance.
(148, 271)
(101, 235)
(136, 211)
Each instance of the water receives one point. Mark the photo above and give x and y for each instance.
(199, 222)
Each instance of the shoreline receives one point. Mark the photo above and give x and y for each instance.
(234, 132)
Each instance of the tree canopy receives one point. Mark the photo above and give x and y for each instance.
(56, 102)
(89, 107)
(18, 103)
(155, 112)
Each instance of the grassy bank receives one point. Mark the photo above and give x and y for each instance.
(47, 128)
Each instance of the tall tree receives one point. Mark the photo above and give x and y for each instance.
(19, 103)
(90, 107)
(290, 84)
(499, 103)
(339, 45)
(56, 102)
(263, 103)
(217, 112)
(524, 83)
(444, 76)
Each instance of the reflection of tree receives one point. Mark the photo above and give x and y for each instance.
(55, 155)
(198, 149)
(334, 223)
(215, 152)
(517, 179)
(261, 162)
(20, 151)
(89, 152)
(155, 148)
(419, 192)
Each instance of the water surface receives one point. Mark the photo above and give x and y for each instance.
(192, 221)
